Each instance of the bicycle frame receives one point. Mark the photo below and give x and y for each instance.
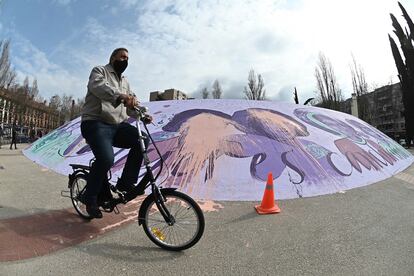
(156, 192)
(159, 199)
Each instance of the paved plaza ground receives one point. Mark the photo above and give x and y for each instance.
(364, 231)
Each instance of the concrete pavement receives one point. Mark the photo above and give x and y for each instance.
(364, 231)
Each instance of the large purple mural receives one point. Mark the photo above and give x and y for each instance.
(224, 149)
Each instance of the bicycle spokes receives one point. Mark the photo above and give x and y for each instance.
(176, 224)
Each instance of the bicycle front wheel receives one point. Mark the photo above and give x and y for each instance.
(188, 226)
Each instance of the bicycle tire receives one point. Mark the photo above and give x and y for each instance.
(77, 186)
(180, 206)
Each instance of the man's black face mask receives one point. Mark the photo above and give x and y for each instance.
(120, 66)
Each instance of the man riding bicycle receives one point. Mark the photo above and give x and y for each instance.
(108, 103)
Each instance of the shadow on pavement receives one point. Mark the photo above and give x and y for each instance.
(40, 234)
(132, 253)
(253, 214)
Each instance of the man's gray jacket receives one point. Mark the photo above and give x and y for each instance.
(101, 101)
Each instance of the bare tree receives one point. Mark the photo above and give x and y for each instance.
(217, 91)
(21, 101)
(329, 93)
(55, 102)
(205, 93)
(34, 90)
(359, 83)
(374, 86)
(40, 99)
(10, 79)
(7, 73)
(67, 106)
(255, 88)
(78, 107)
(360, 88)
(26, 86)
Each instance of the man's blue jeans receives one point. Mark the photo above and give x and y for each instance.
(101, 137)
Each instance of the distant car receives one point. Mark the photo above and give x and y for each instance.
(402, 142)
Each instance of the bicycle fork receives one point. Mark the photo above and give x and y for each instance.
(159, 201)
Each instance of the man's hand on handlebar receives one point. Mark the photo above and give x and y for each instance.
(147, 119)
(132, 102)
(129, 101)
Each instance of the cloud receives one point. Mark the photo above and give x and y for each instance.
(129, 3)
(52, 78)
(211, 40)
(188, 44)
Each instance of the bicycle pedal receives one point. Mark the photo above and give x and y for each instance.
(65, 193)
(122, 195)
(105, 205)
(106, 210)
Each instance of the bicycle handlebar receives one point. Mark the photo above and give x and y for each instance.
(142, 110)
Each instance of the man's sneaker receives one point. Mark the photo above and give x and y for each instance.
(122, 187)
(105, 195)
(93, 211)
(92, 207)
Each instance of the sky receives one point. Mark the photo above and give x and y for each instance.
(187, 45)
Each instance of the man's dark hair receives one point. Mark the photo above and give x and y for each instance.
(114, 52)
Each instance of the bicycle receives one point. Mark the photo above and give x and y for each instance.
(160, 212)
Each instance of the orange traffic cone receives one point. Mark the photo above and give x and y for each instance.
(268, 205)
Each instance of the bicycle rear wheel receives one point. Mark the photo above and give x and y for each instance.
(187, 229)
(77, 191)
